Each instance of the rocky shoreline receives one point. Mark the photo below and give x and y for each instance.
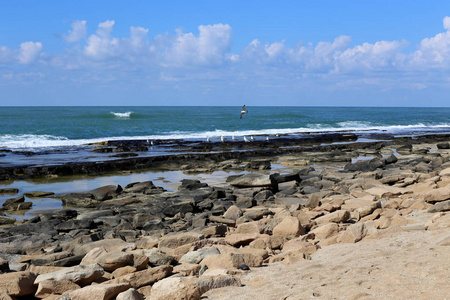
(140, 241)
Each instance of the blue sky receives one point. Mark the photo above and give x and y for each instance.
(306, 53)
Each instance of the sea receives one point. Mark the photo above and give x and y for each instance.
(40, 128)
(54, 135)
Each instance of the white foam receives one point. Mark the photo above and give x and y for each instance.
(125, 115)
(30, 141)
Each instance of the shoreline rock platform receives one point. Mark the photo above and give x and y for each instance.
(348, 221)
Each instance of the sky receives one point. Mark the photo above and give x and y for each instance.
(258, 53)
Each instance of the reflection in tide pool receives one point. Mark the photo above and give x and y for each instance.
(168, 180)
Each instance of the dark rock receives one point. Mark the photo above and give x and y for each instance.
(9, 191)
(61, 214)
(444, 145)
(364, 165)
(146, 187)
(4, 220)
(245, 202)
(106, 192)
(260, 164)
(47, 227)
(153, 225)
(180, 207)
(75, 224)
(253, 180)
(4, 266)
(286, 177)
(38, 194)
(21, 244)
(392, 159)
(305, 171)
(157, 258)
(13, 203)
(191, 184)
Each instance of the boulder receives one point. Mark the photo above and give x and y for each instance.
(50, 287)
(440, 206)
(109, 261)
(18, 284)
(195, 257)
(4, 266)
(253, 180)
(99, 291)
(9, 191)
(325, 231)
(144, 277)
(365, 165)
(439, 194)
(180, 207)
(81, 275)
(239, 239)
(191, 288)
(130, 294)
(38, 194)
(338, 216)
(289, 228)
(157, 258)
(354, 233)
(232, 260)
(179, 239)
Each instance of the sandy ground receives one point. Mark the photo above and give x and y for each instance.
(399, 263)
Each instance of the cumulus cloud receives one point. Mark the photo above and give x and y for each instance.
(210, 47)
(101, 45)
(434, 51)
(29, 52)
(77, 33)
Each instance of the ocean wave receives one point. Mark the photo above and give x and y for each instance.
(125, 115)
(35, 142)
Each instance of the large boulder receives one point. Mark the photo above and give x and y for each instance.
(18, 284)
(99, 291)
(51, 287)
(289, 228)
(189, 288)
(144, 277)
(81, 275)
(365, 165)
(232, 260)
(195, 257)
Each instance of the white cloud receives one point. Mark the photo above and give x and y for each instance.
(210, 48)
(434, 51)
(77, 33)
(29, 52)
(101, 45)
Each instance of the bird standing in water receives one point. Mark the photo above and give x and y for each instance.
(243, 111)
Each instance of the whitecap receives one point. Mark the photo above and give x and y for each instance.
(125, 115)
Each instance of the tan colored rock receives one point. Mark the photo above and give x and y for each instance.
(289, 228)
(44, 269)
(99, 291)
(233, 213)
(186, 269)
(439, 194)
(189, 288)
(445, 172)
(354, 233)
(49, 287)
(110, 245)
(4, 295)
(81, 275)
(249, 227)
(299, 244)
(140, 261)
(265, 241)
(130, 294)
(119, 272)
(147, 242)
(385, 191)
(325, 231)
(18, 283)
(179, 239)
(232, 260)
(144, 277)
(258, 252)
(238, 239)
(145, 291)
(292, 256)
(339, 216)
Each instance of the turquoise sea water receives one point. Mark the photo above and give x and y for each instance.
(48, 127)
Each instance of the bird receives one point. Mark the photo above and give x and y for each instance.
(233, 138)
(267, 138)
(246, 139)
(222, 138)
(252, 138)
(243, 111)
(207, 139)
